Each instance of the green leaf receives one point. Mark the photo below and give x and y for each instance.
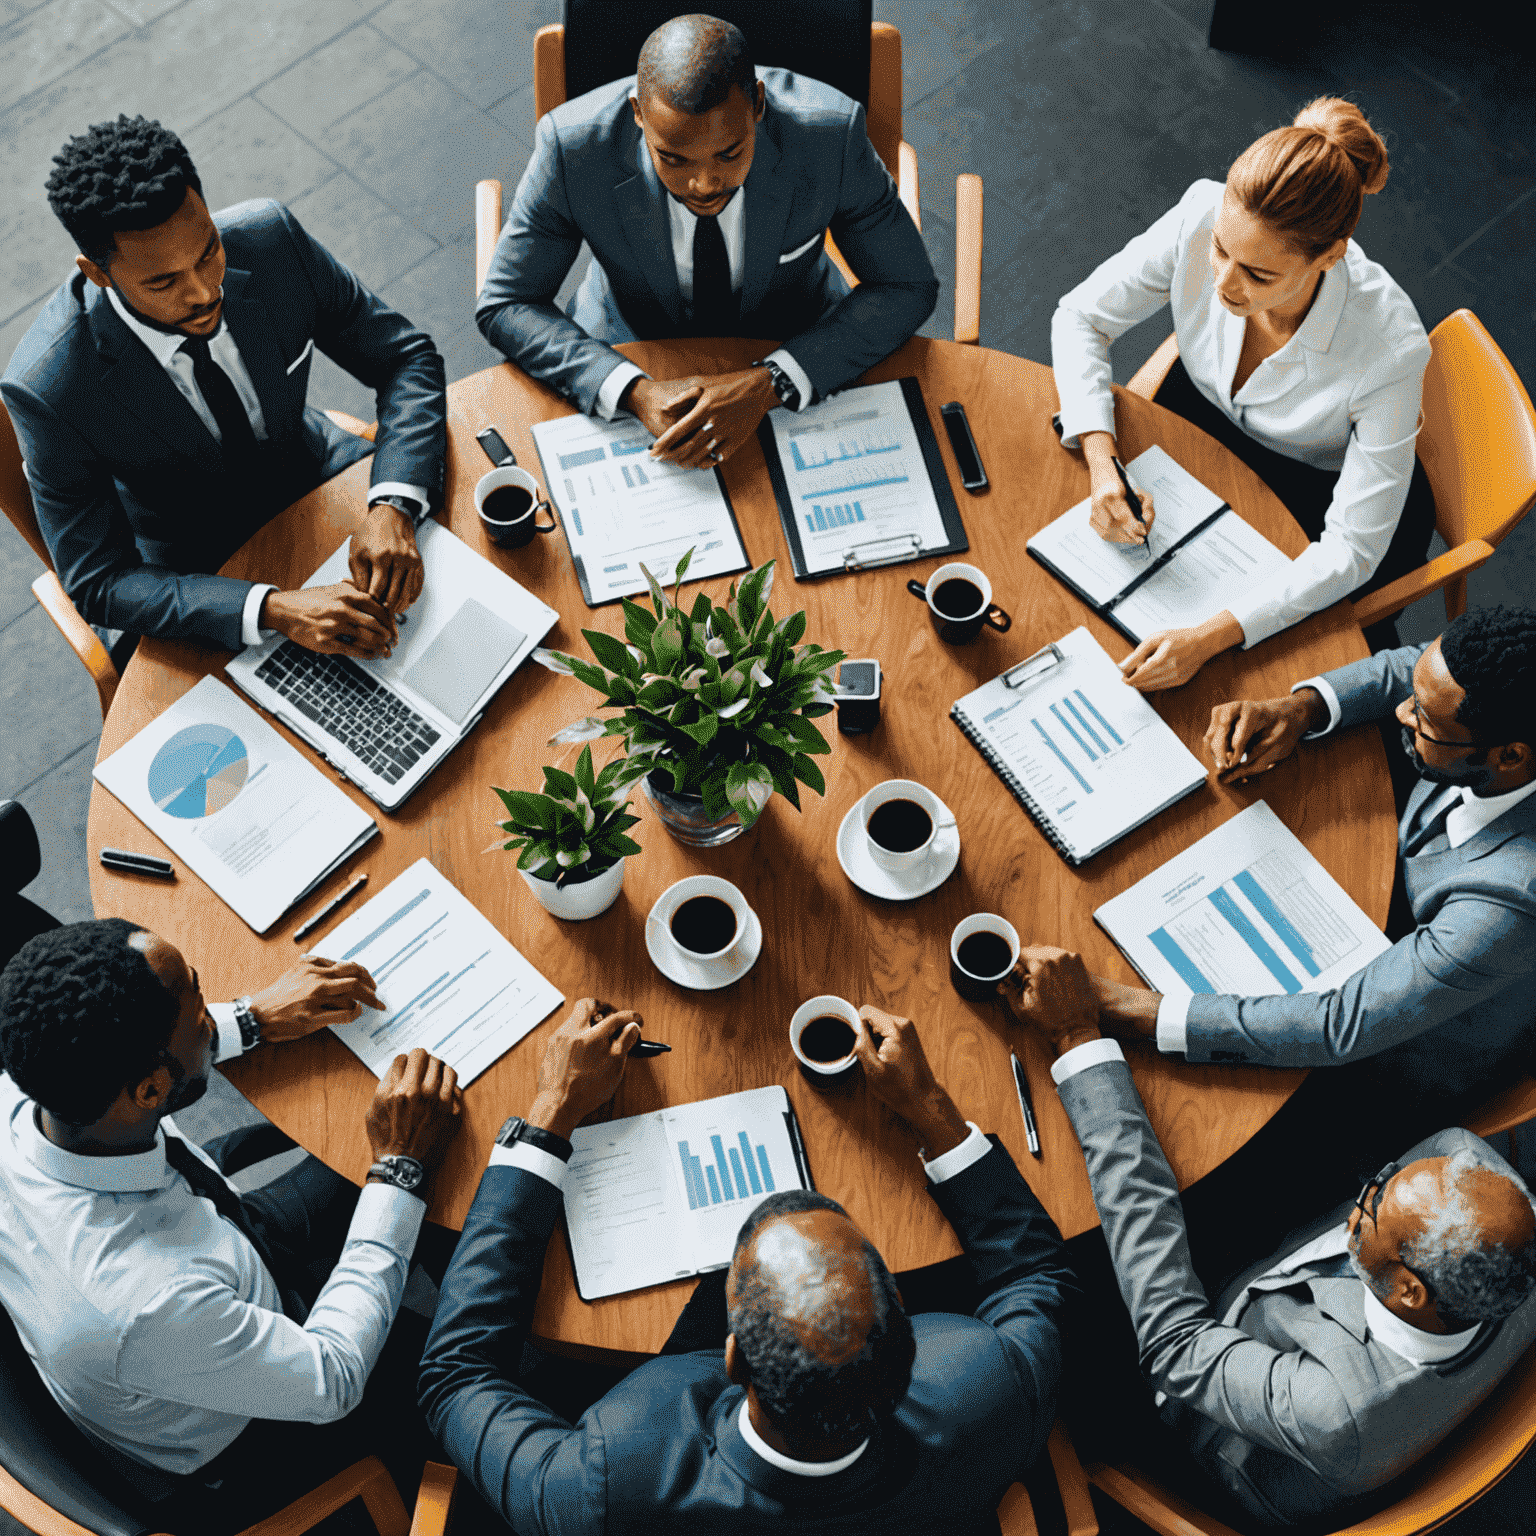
(809, 774)
(638, 624)
(612, 654)
(704, 731)
(793, 628)
(814, 711)
(658, 597)
(702, 608)
(593, 676)
(584, 775)
(683, 564)
(617, 846)
(807, 736)
(559, 784)
(667, 644)
(528, 809)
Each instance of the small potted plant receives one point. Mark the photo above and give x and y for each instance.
(715, 704)
(572, 837)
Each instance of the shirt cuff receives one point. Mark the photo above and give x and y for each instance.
(250, 632)
(1330, 698)
(1173, 1023)
(797, 374)
(227, 1039)
(1099, 416)
(615, 385)
(522, 1154)
(1094, 1054)
(389, 1215)
(947, 1164)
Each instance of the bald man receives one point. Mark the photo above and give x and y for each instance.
(1325, 1370)
(824, 1405)
(705, 191)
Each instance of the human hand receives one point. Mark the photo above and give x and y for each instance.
(1252, 735)
(338, 620)
(1110, 515)
(384, 561)
(316, 992)
(897, 1072)
(725, 414)
(416, 1110)
(1171, 657)
(583, 1064)
(1051, 989)
(660, 404)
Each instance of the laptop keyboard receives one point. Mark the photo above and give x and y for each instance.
(376, 726)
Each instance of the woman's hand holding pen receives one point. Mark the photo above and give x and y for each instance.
(1169, 658)
(1111, 515)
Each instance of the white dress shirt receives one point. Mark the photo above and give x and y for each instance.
(152, 1320)
(1341, 395)
(733, 229)
(165, 348)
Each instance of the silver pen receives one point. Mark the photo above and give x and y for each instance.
(330, 906)
(1031, 1130)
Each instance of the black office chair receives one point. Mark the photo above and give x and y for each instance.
(22, 861)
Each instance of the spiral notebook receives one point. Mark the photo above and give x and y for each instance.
(1087, 757)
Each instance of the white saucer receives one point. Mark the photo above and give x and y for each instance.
(701, 975)
(853, 855)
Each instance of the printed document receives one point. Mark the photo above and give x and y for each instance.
(661, 1196)
(448, 980)
(622, 508)
(855, 475)
(238, 805)
(1246, 910)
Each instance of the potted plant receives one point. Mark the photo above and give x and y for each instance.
(715, 704)
(572, 837)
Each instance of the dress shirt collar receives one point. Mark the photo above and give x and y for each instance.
(732, 220)
(1315, 333)
(1388, 1329)
(1475, 812)
(788, 1463)
(163, 344)
(133, 1173)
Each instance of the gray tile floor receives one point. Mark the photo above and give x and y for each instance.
(1086, 118)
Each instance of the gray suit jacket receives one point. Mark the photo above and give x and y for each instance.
(591, 179)
(1449, 1009)
(1281, 1392)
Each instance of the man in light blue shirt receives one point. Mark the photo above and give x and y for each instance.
(182, 1327)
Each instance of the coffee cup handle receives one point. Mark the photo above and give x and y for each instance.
(554, 522)
(917, 589)
(997, 619)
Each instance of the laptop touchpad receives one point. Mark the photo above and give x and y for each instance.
(463, 660)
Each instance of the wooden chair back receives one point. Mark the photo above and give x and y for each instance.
(15, 493)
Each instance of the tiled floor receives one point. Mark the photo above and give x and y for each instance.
(1087, 118)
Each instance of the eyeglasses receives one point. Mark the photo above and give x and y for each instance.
(1439, 741)
(1378, 1184)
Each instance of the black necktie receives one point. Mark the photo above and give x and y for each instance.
(239, 440)
(714, 305)
(207, 1185)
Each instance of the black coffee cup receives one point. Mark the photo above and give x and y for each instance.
(959, 599)
(508, 502)
(822, 1034)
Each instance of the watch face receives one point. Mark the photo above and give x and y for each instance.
(405, 1171)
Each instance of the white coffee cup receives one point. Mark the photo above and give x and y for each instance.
(904, 789)
(967, 983)
(702, 885)
(512, 533)
(815, 1008)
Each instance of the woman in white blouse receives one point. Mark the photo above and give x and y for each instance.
(1296, 352)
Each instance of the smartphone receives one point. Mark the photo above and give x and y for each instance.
(972, 476)
(858, 680)
(495, 447)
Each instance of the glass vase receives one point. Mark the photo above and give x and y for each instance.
(686, 819)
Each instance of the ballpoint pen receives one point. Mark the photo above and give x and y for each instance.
(301, 934)
(1031, 1130)
(649, 1048)
(1134, 501)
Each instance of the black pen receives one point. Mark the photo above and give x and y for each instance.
(1133, 499)
(328, 908)
(649, 1048)
(1031, 1130)
(137, 863)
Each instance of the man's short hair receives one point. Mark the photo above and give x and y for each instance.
(82, 1016)
(692, 63)
(799, 1393)
(1474, 1281)
(1491, 652)
(131, 174)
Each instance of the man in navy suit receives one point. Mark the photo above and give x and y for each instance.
(824, 1406)
(159, 401)
(705, 193)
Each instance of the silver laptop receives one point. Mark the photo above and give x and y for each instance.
(385, 725)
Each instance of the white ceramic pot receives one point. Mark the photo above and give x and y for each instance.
(575, 902)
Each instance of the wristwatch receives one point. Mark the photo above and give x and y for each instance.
(783, 386)
(250, 1027)
(417, 515)
(403, 1172)
(517, 1129)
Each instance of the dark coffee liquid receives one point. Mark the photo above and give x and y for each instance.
(507, 503)
(985, 954)
(958, 598)
(828, 1037)
(704, 924)
(899, 826)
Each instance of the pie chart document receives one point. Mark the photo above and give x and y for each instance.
(236, 803)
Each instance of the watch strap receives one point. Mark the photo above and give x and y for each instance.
(250, 1027)
(417, 514)
(517, 1129)
(783, 386)
(403, 1172)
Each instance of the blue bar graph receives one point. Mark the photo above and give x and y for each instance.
(693, 1178)
(1062, 757)
(578, 460)
(1222, 900)
(1088, 705)
(858, 485)
(733, 1175)
(628, 478)
(1088, 730)
(819, 519)
(741, 1183)
(1173, 952)
(714, 1187)
(844, 452)
(746, 1152)
(762, 1157)
(623, 450)
(725, 1172)
(1277, 920)
(1066, 725)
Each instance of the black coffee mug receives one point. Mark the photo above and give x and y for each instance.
(961, 629)
(513, 533)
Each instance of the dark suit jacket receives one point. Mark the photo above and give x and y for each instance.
(591, 178)
(131, 489)
(663, 1452)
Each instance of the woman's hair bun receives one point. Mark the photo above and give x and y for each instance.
(1343, 124)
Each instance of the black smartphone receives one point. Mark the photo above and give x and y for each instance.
(972, 476)
(495, 447)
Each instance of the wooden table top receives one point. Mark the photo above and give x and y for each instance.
(821, 933)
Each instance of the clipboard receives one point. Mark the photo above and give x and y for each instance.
(872, 554)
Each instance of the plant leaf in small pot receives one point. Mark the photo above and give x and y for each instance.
(574, 830)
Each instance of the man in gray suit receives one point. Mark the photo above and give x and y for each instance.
(705, 194)
(1330, 1367)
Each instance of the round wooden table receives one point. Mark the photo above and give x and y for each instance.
(821, 933)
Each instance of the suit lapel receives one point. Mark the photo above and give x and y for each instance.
(769, 198)
(1416, 798)
(642, 205)
(251, 328)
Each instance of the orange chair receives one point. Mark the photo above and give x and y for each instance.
(1477, 445)
(883, 120)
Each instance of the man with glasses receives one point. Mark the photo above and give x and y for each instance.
(1321, 1372)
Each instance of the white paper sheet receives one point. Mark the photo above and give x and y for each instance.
(855, 474)
(1246, 910)
(448, 980)
(226, 794)
(622, 508)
